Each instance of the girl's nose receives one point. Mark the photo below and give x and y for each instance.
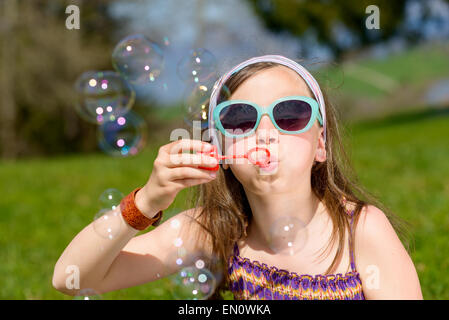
(266, 132)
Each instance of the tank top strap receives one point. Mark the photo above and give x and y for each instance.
(351, 251)
(350, 213)
(236, 249)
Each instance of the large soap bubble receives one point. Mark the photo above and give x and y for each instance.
(288, 235)
(199, 66)
(122, 136)
(110, 198)
(139, 59)
(102, 95)
(196, 273)
(196, 102)
(87, 294)
(193, 283)
(107, 223)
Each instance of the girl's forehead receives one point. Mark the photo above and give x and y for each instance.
(268, 85)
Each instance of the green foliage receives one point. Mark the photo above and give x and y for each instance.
(46, 202)
(321, 17)
(41, 65)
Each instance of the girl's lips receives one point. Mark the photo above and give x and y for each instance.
(270, 167)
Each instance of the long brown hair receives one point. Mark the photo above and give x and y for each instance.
(225, 213)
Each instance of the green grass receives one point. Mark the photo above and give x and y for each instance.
(45, 202)
(404, 160)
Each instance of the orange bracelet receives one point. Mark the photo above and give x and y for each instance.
(133, 216)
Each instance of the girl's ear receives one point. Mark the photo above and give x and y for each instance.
(321, 148)
(225, 165)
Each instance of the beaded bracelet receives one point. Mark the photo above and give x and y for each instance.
(133, 216)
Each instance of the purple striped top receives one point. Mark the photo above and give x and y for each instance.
(255, 280)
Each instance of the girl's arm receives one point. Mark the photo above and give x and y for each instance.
(106, 265)
(385, 267)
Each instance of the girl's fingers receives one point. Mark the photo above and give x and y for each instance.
(187, 145)
(193, 160)
(188, 173)
(185, 183)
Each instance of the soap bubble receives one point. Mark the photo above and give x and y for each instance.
(196, 102)
(198, 66)
(87, 294)
(102, 95)
(193, 283)
(107, 223)
(123, 136)
(110, 198)
(177, 258)
(139, 59)
(206, 267)
(288, 235)
(166, 41)
(175, 224)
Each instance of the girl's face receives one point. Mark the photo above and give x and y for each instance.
(293, 154)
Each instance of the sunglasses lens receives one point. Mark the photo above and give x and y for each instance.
(292, 115)
(238, 118)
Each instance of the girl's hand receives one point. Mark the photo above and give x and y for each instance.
(173, 171)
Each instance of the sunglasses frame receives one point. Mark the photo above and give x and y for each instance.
(269, 111)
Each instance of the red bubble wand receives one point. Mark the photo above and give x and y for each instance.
(261, 163)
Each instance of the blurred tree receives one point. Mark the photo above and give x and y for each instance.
(7, 103)
(40, 60)
(338, 24)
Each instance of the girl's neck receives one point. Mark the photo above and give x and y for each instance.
(270, 209)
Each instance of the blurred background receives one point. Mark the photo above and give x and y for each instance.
(389, 79)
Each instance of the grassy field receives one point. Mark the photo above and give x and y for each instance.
(45, 202)
(371, 78)
(370, 87)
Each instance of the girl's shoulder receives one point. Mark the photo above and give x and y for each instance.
(372, 220)
(370, 223)
(382, 260)
(374, 234)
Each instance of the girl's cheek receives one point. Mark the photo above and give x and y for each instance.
(297, 152)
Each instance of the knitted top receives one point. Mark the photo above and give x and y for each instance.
(255, 280)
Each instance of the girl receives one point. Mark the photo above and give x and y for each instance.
(343, 245)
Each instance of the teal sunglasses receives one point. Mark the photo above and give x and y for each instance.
(291, 115)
